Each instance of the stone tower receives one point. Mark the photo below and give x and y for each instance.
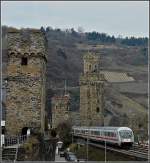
(25, 96)
(91, 92)
(60, 110)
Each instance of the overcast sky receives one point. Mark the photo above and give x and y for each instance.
(113, 17)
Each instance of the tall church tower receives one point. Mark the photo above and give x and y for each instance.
(25, 96)
(91, 92)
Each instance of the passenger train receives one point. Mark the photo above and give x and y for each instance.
(120, 136)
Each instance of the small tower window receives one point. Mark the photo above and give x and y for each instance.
(95, 69)
(97, 109)
(24, 61)
(90, 67)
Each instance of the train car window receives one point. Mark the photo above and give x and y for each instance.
(96, 132)
(86, 131)
(112, 134)
(105, 133)
(89, 132)
(83, 131)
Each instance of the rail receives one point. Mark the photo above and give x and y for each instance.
(10, 141)
(130, 152)
(137, 151)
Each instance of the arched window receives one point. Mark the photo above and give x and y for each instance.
(97, 109)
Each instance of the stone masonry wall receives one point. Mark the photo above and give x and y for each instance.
(60, 110)
(92, 98)
(25, 97)
(91, 93)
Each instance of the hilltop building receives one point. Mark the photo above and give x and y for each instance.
(25, 95)
(91, 92)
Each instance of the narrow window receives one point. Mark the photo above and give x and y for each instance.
(24, 61)
(97, 109)
(95, 69)
(90, 68)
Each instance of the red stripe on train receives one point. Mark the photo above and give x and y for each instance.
(102, 138)
(108, 138)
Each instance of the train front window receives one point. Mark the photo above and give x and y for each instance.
(125, 134)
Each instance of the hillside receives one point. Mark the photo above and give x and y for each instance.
(65, 52)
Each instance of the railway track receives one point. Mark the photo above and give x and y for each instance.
(135, 151)
(140, 152)
(143, 149)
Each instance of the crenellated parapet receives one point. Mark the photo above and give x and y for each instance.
(91, 56)
(91, 63)
(26, 42)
